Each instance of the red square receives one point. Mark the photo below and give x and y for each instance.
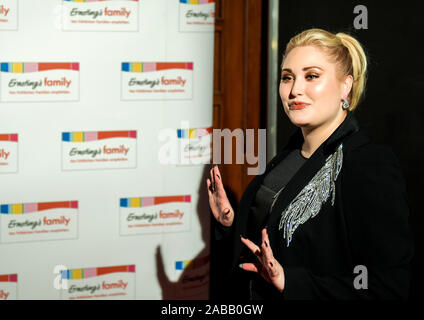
(13, 278)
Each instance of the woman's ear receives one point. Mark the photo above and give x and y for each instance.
(347, 86)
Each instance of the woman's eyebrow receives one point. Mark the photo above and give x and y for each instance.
(304, 69)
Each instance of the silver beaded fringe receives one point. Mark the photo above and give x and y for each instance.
(308, 202)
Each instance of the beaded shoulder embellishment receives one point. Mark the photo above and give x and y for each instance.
(308, 202)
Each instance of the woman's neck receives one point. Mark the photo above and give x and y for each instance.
(314, 137)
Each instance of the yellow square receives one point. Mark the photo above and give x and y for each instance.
(78, 137)
(136, 67)
(192, 133)
(17, 67)
(194, 1)
(135, 203)
(17, 208)
(77, 274)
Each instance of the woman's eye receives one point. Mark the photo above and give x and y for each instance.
(312, 76)
(285, 78)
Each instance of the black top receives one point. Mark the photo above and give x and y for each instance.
(268, 192)
(366, 226)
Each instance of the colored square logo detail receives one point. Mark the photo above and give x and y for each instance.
(133, 134)
(182, 133)
(135, 203)
(78, 137)
(66, 136)
(4, 67)
(65, 274)
(74, 204)
(124, 203)
(179, 265)
(17, 208)
(126, 66)
(13, 278)
(77, 274)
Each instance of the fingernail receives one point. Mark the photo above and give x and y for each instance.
(241, 265)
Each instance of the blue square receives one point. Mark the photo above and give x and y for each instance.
(182, 133)
(66, 136)
(4, 208)
(179, 265)
(4, 67)
(125, 66)
(124, 203)
(65, 274)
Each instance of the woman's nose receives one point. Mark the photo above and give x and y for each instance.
(297, 88)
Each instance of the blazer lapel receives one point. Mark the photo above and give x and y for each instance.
(250, 193)
(252, 188)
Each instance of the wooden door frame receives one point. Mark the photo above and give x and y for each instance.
(238, 75)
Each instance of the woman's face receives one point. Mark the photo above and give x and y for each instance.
(310, 90)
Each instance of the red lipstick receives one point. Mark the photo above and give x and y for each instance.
(297, 105)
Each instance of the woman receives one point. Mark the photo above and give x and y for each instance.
(329, 217)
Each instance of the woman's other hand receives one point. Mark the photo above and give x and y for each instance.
(218, 200)
(268, 267)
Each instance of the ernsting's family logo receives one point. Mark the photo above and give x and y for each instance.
(100, 15)
(157, 80)
(99, 150)
(97, 283)
(193, 276)
(39, 81)
(197, 15)
(23, 222)
(155, 214)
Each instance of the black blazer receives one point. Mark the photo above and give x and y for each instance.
(366, 226)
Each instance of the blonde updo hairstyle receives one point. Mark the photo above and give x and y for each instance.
(345, 50)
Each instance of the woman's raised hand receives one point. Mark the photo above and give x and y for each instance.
(218, 200)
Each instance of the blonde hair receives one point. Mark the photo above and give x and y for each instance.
(346, 51)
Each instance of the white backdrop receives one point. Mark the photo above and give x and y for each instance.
(36, 130)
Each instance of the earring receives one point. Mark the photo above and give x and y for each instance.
(345, 104)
